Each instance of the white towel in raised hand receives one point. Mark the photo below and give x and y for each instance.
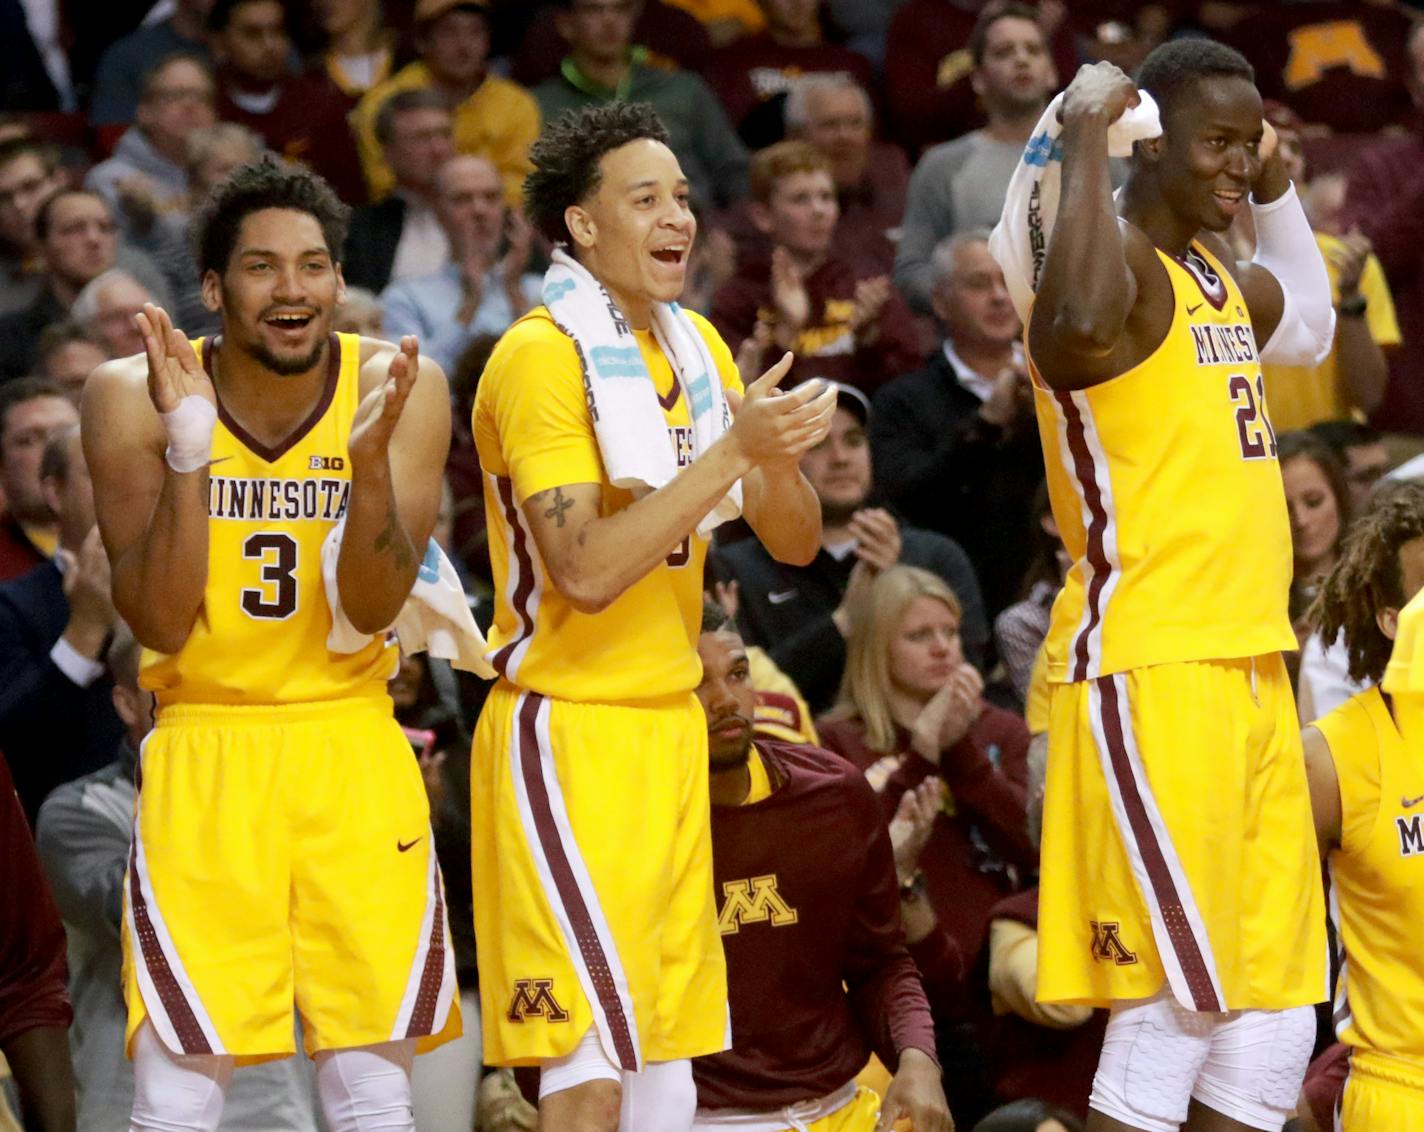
(435, 618)
(628, 421)
(1019, 241)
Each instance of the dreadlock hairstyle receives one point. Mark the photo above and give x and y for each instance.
(1368, 578)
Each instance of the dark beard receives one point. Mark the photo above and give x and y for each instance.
(287, 367)
(720, 763)
(838, 514)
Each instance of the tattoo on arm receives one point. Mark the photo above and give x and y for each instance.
(393, 539)
(560, 507)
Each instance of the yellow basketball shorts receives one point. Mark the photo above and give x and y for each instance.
(593, 880)
(1178, 843)
(283, 855)
(1382, 1094)
(859, 1113)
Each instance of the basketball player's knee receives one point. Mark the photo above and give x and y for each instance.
(593, 1106)
(174, 1093)
(367, 1089)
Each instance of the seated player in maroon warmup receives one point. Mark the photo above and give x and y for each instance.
(818, 977)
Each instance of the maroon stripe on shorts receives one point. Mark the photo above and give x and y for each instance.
(170, 994)
(525, 586)
(427, 997)
(569, 894)
(1174, 916)
(1086, 472)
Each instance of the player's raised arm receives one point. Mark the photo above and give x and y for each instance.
(147, 432)
(592, 557)
(399, 441)
(1087, 289)
(1285, 284)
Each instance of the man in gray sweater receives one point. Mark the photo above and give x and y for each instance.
(960, 184)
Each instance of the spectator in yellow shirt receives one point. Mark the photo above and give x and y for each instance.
(494, 118)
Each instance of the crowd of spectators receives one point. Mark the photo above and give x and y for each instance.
(846, 159)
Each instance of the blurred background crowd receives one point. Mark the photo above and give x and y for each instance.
(846, 158)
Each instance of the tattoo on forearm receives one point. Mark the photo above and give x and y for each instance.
(560, 507)
(393, 539)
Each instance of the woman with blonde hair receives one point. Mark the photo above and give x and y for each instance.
(912, 715)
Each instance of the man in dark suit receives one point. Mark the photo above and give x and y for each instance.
(955, 443)
(57, 719)
(400, 237)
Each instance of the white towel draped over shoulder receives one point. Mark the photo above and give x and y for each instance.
(638, 454)
(1020, 240)
(435, 618)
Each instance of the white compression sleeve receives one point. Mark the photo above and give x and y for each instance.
(1286, 247)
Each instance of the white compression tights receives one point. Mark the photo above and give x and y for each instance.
(365, 1089)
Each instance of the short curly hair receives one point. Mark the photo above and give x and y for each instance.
(265, 184)
(566, 158)
(1174, 68)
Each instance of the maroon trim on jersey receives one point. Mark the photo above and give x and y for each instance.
(673, 394)
(1195, 264)
(170, 994)
(569, 895)
(1174, 916)
(328, 394)
(524, 587)
(422, 1015)
(1097, 556)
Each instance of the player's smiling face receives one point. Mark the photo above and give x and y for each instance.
(1211, 151)
(279, 290)
(635, 231)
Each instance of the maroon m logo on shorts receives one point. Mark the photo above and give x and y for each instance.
(534, 998)
(1107, 943)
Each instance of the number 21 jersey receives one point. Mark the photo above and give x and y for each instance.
(260, 636)
(1167, 492)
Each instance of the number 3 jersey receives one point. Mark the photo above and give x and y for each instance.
(260, 636)
(1167, 493)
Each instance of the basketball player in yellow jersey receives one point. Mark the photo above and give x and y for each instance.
(282, 850)
(600, 959)
(1367, 790)
(1180, 886)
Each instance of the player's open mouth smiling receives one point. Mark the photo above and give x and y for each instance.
(289, 321)
(672, 255)
(1229, 199)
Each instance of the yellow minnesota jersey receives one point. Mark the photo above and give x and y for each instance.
(1404, 678)
(1166, 488)
(260, 636)
(1377, 879)
(533, 432)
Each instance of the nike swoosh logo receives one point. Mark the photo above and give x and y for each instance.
(1193, 310)
(781, 598)
(1410, 803)
(402, 846)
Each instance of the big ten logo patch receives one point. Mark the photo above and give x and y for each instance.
(681, 437)
(534, 998)
(1107, 943)
(753, 901)
(326, 463)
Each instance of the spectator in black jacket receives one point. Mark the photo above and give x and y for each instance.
(798, 614)
(57, 718)
(956, 447)
(400, 237)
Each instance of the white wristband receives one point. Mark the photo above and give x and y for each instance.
(190, 433)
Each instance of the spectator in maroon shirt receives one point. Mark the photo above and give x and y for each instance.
(1385, 200)
(817, 972)
(34, 1005)
(801, 295)
(754, 75)
(835, 115)
(912, 708)
(302, 118)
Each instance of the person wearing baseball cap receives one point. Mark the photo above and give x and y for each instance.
(801, 614)
(494, 118)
